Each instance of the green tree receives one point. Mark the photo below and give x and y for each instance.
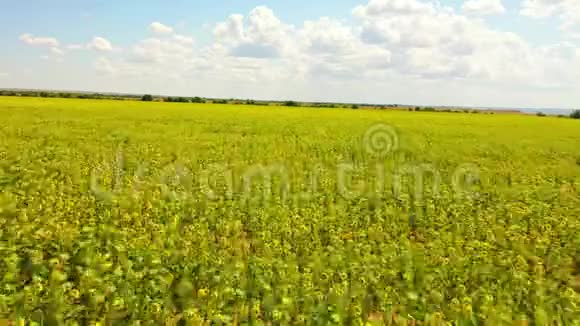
(575, 114)
(147, 98)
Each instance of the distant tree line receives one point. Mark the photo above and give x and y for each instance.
(196, 99)
(88, 96)
(574, 115)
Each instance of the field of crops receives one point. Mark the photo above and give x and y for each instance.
(120, 211)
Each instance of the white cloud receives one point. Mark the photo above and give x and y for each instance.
(328, 47)
(568, 11)
(39, 41)
(232, 29)
(323, 48)
(434, 42)
(104, 66)
(53, 57)
(328, 36)
(376, 8)
(260, 35)
(57, 51)
(100, 44)
(76, 47)
(561, 63)
(53, 45)
(160, 50)
(185, 40)
(413, 38)
(391, 49)
(483, 7)
(4, 74)
(159, 28)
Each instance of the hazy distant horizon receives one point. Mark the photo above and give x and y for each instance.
(551, 111)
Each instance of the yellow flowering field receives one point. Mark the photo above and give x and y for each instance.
(116, 212)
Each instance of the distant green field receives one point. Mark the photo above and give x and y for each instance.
(119, 211)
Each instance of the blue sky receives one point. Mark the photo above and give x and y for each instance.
(108, 17)
(522, 53)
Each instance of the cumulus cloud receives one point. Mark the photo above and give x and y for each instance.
(100, 44)
(318, 48)
(185, 40)
(39, 41)
(260, 35)
(568, 11)
(57, 51)
(160, 50)
(561, 64)
(159, 28)
(377, 8)
(76, 47)
(435, 42)
(104, 66)
(53, 45)
(408, 41)
(250, 50)
(327, 35)
(409, 37)
(483, 7)
(330, 47)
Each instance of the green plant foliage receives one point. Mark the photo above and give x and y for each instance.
(147, 98)
(105, 217)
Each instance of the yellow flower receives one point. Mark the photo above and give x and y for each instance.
(156, 308)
